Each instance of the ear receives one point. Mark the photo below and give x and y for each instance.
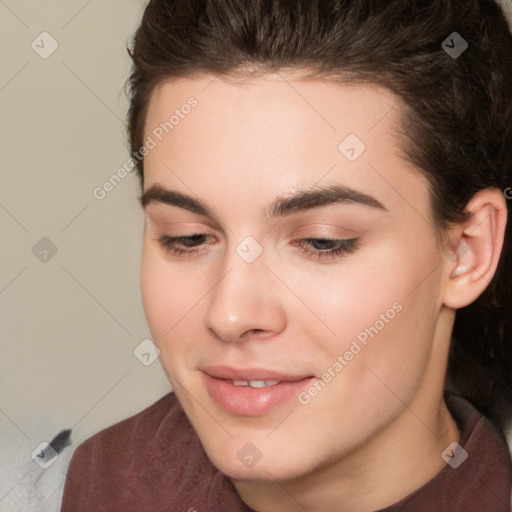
(475, 248)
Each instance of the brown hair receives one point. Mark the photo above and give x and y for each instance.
(458, 115)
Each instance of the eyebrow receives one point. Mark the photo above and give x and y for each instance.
(307, 199)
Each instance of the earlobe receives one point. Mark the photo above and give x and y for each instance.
(477, 248)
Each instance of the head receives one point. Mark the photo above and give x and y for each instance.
(296, 124)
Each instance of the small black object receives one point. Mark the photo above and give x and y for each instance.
(61, 440)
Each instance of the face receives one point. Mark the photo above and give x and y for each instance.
(290, 274)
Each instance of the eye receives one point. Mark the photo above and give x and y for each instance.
(189, 243)
(317, 248)
(326, 248)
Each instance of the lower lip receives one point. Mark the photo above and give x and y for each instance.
(248, 401)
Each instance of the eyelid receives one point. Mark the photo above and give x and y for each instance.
(192, 229)
(181, 228)
(317, 231)
(159, 213)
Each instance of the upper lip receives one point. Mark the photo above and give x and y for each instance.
(227, 373)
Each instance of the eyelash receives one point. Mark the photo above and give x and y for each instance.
(342, 246)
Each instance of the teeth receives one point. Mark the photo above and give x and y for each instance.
(255, 383)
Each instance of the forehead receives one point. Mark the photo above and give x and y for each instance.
(280, 130)
(257, 103)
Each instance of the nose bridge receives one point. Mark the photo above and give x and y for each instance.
(242, 298)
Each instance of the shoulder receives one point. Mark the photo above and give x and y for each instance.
(148, 456)
(144, 429)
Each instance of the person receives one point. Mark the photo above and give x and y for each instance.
(326, 265)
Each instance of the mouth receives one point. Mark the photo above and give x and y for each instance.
(254, 383)
(252, 392)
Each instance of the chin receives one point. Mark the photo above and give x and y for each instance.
(269, 468)
(261, 472)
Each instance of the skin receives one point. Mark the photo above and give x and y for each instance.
(376, 432)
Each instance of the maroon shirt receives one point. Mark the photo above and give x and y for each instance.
(154, 462)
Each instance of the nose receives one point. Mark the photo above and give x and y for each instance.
(244, 303)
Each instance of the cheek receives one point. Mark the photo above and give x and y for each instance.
(155, 293)
(384, 326)
(380, 311)
(337, 302)
(170, 300)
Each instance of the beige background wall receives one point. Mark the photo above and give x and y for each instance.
(70, 321)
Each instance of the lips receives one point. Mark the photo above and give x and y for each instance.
(252, 392)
